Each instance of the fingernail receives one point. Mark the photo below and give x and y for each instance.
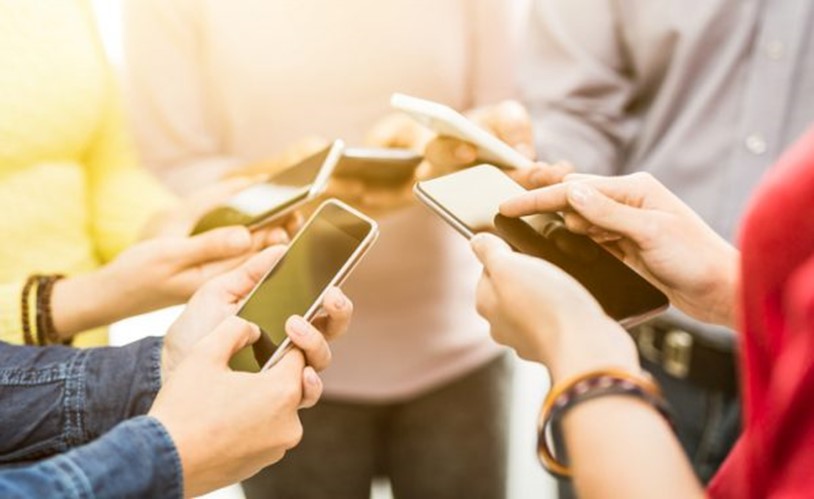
(580, 194)
(299, 327)
(340, 302)
(311, 378)
(239, 239)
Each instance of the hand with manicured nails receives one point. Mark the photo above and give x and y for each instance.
(221, 297)
(228, 425)
(546, 315)
(650, 229)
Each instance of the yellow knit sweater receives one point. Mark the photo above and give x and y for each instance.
(71, 194)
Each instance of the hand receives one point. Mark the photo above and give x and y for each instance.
(228, 425)
(546, 315)
(221, 297)
(508, 121)
(151, 275)
(651, 230)
(398, 130)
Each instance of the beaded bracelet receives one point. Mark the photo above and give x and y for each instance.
(25, 311)
(46, 332)
(568, 394)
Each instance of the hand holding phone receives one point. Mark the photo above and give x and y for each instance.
(278, 196)
(469, 200)
(445, 121)
(321, 256)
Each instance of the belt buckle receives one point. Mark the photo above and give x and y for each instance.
(646, 342)
(677, 353)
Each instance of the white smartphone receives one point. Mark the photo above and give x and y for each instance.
(325, 251)
(469, 201)
(379, 166)
(444, 120)
(278, 196)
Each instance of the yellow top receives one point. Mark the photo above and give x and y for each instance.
(71, 193)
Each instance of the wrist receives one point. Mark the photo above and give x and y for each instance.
(723, 306)
(593, 345)
(83, 302)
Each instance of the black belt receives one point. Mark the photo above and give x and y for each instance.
(687, 356)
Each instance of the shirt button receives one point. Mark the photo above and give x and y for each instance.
(756, 144)
(775, 50)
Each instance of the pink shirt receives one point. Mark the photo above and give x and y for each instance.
(216, 84)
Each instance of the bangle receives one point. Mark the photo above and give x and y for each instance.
(25, 310)
(46, 332)
(566, 395)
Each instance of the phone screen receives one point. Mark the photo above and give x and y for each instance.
(296, 283)
(260, 201)
(470, 201)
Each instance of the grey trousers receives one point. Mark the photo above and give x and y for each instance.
(449, 443)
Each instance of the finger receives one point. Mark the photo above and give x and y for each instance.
(218, 244)
(485, 297)
(542, 174)
(489, 249)
(449, 154)
(311, 388)
(310, 341)
(512, 124)
(239, 282)
(577, 223)
(338, 310)
(231, 336)
(290, 367)
(608, 214)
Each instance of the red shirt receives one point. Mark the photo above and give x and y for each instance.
(775, 455)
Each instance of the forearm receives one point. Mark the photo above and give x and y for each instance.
(622, 447)
(135, 459)
(64, 397)
(84, 302)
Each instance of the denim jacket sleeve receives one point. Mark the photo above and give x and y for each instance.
(135, 459)
(53, 399)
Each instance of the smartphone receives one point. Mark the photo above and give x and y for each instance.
(278, 196)
(379, 166)
(469, 200)
(325, 251)
(444, 120)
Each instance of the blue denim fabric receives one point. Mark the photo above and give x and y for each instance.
(135, 459)
(55, 399)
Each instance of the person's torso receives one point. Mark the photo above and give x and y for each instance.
(723, 87)
(279, 71)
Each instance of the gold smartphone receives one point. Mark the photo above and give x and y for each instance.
(325, 251)
(379, 166)
(469, 201)
(278, 196)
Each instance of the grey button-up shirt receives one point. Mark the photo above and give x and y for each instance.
(703, 94)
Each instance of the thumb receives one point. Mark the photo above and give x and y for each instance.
(218, 244)
(605, 212)
(489, 248)
(231, 336)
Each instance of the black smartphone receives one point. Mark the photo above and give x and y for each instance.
(469, 200)
(281, 194)
(380, 167)
(324, 252)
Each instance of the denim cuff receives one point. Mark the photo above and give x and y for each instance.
(136, 459)
(56, 398)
